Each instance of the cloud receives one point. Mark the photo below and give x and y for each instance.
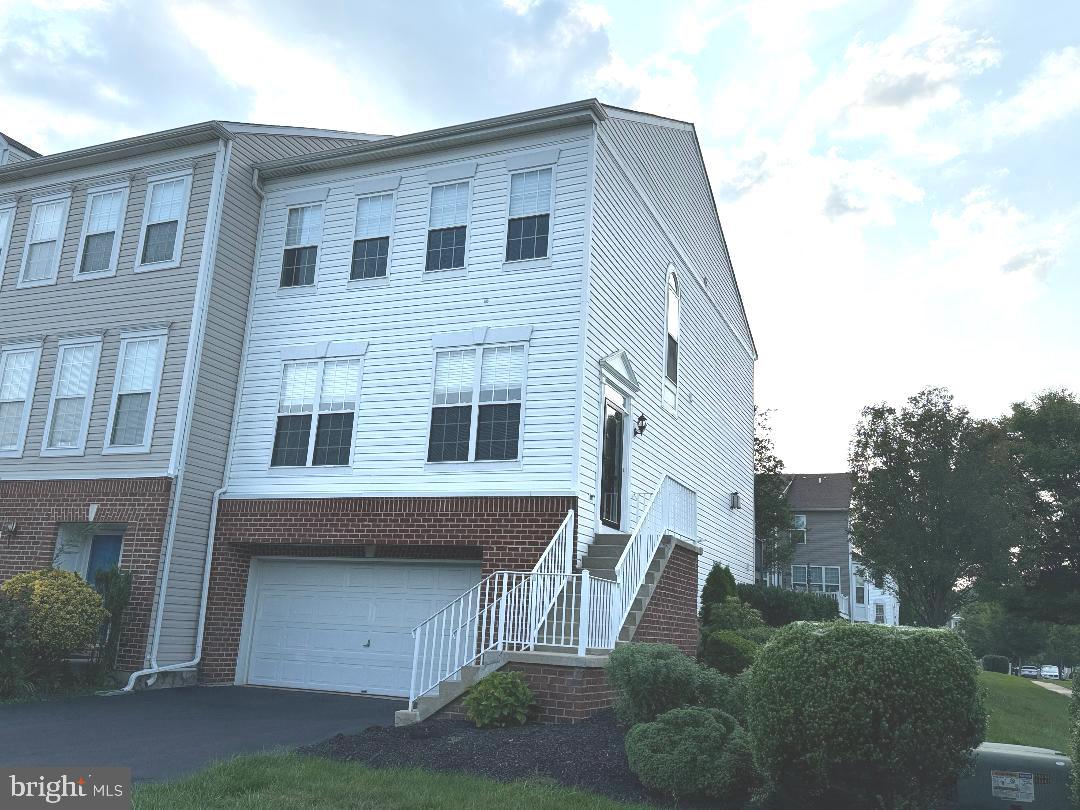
(1050, 94)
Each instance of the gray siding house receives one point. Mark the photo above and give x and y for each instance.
(126, 271)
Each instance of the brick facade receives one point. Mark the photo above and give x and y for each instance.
(671, 615)
(141, 504)
(502, 532)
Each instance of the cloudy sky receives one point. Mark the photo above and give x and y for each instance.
(897, 181)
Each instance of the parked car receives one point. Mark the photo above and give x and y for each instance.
(1050, 673)
(1029, 672)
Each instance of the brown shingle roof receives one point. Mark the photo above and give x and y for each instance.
(819, 491)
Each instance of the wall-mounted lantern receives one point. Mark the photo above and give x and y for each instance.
(640, 425)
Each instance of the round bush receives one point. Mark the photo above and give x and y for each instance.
(995, 663)
(728, 652)
(650, 679)
(499, 699)
(64, 613)
(691, 752)
(864, 715)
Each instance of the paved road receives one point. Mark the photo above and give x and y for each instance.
(1053, 687)
(168, 732)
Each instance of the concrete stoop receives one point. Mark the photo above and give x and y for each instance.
(449, 690)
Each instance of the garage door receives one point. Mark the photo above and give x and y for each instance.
(342, 625)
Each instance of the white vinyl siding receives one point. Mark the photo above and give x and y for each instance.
(44, 242)
(103, 225)
(72, 397)
(164, 218)
(135, 394)
(18, 375)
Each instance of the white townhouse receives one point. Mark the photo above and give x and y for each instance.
(496, 397)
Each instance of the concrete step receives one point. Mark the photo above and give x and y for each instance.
(609, 539)
(448, 691)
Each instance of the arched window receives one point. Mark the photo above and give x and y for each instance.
(671, 363)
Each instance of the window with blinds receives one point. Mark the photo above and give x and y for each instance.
(371, 242)
(671, 348)
(73, 390)
(100, 243)
(303, 229)
(18, 369)
(529, 222)
(319, 394)
(138, 372)
(7, 217)
(476, 404)
(44, 241)
(166, 209)
(447, 226)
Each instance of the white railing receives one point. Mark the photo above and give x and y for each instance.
(672, 509)
(842, 603)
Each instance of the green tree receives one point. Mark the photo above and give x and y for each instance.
(935, 502)
(989, 628)
(1044, 437)
(1062, 645)
(772, 518)
(719, 586)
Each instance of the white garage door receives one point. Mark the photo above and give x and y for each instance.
(342, 625)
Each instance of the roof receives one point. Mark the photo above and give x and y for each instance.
(18, 147)
(809, 491)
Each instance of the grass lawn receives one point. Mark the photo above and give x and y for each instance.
(1022, 713)
(269, 781)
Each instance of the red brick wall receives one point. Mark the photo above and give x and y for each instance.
(563, 694)
(142, 504)
(505, 533)
(671, 615)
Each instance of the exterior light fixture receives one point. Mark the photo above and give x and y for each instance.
(640, 424)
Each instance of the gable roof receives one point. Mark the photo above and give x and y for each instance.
(19, 147)
(809, 491)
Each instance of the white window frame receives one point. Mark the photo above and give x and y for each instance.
(317, 244)
(5, 235)
(181, 225)
(795, 529)
(474, 416)
(88, 406)
(805, 578)
(468, 227)
(550, 212)
(126, 338)
(392, 194)
(316, 411)
(884, 613)
(65, 199)
(124, 188)
(28, 406)
(670, 393)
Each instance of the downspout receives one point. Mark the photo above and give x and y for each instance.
(187, 401)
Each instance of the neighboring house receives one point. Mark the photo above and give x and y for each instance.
(823, 562)
(124, 288)
(457, 339)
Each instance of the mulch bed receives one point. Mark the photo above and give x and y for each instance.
(587, 755)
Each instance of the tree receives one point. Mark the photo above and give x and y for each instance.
(935, 502)
(772, 518)
(1044, 438)
(1062, 646)
(989, 628)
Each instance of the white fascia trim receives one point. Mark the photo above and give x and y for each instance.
(287, 494)
(307, 132)
(483, 335)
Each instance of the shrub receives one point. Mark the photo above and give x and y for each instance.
(499, 699)
(114, 585)
(1074, 714)
(735, 615)
(779, 607)
(864, 715)
(64, 614)
(995, 663)
(728, 652)
(650, 679)
(719, 587)
(685, 753)
(14, 648)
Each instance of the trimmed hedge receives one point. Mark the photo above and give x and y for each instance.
(692, 753)
(650, 679)
(727, 652)
(995, 663)
(864, 715)
(1074, 715)
(780, 607)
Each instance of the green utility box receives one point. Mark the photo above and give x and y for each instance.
(1016, 777)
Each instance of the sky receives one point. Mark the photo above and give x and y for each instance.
(897, 182)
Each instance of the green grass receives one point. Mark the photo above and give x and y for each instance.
(269, 781)
(1022, 713)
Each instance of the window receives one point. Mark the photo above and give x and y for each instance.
(860, 594)
(44, 242)
(303, 230)
(529, 222)
(476, 404)
(879, 613)
(134, 401)
(371, 243)
(671, 354)
(163, 222)
(7, 217)
(87, 549)
(798, 577)
(815, 578)
(103, 225)
(447, 226)
(18, 373)
(798, 529)
(325, 391)
(72, 395)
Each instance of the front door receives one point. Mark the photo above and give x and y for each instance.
(612, 459)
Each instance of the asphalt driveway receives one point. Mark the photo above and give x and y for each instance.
(168, 732)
